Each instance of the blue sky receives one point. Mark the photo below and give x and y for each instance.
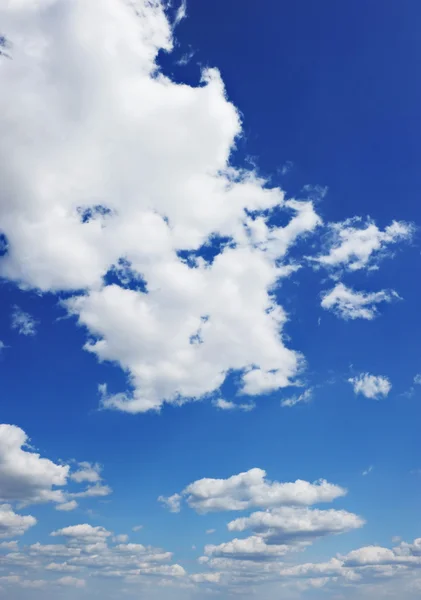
(209, 336)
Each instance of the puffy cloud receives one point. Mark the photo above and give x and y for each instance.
(252, 489)
(301, 398)
(61, 567)
(87, 472)
(83, 533)
(69, 581)
(230, 406)
(23, 322)
(347, 303)
(143, 190)
(137, 528)
(25, 476)
(253, 548)
(206, 577)
(13, 524)
(287, 524)
(93, 491)
(355, 248)
(371, 386)
(173, 503)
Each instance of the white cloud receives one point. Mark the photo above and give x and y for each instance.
(356, 247)
(173, 503)
(371, 386)
(288, 524)
(252, 489)
(87, 472)
(23, 322)
(13, 524)
(210, 531)
(121, 539)
(367, 471)
(230, 406)
(253, 548)
(61, 567)
(67, 506)
(93, 491)
(301, 398)
(206, 577)
(83, 533)
(25, 477)
(69, 581)
(347, 303)
(417, 379)
(143, 175)
(137, 527)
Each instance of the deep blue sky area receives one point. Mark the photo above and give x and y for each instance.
(329, 94)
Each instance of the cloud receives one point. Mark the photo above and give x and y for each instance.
(367, 471)
(252, 489)
(69, 581)
(353, 248)
(12, 524)
(137, 527)
(287, 525)
(25, 477)
(347, 303)
(87, 472)
(143, 190)
(173, 503)
(253, 548)
(67, 506)
(293, 400)
(230, 406)
(83, 533)
(371, 386)
(93, 491)
(210, 531)
(23, 322)
(417, 379)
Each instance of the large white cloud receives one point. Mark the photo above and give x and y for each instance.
(252, 489)
(106, 164)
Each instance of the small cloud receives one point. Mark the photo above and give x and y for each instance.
(137, 527)
(371, 386)
(396, 539)
(293, 400)
(228, 405)
(121, 539)
(417, 379)
(181, 12)
(210, 531)
(67, 506)
(186, 58)
(316, 192)
(173, 503)
(367, 471)
(287, 167)
(23, 322)
(349, 304)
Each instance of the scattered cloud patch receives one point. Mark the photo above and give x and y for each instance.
(367, 471)
(23, 322)
(349, 304)
(232, 406)
(371, 386)
(417, 379)
(354, 244)
(301, 398)
(13, 524)
(67, 506)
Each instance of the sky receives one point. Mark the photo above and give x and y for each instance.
(210, 358)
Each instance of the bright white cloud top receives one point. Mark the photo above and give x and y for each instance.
(347, 303)
(371, 386)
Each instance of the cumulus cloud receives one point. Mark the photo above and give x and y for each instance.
(67, 506)
(13, 524)
(347, 303)
(142, 190)
(288, 524)
(23, 322)
(297, 399)
(230, 406)
(83, 533)
(253, 548)
(25, 477)
(371, 386)
(252, 489)
(356, 245)
(87, 472)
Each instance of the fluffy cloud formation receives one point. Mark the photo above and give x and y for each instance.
(347, 303)
(87, 472)
(253, 548)
(371, 386)
(83, 533)
(251, 489)
(355, 247)
(23, 322)
(290, 524)
(143, 191)
(25, 477)
(300, 398)
(12, 524)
